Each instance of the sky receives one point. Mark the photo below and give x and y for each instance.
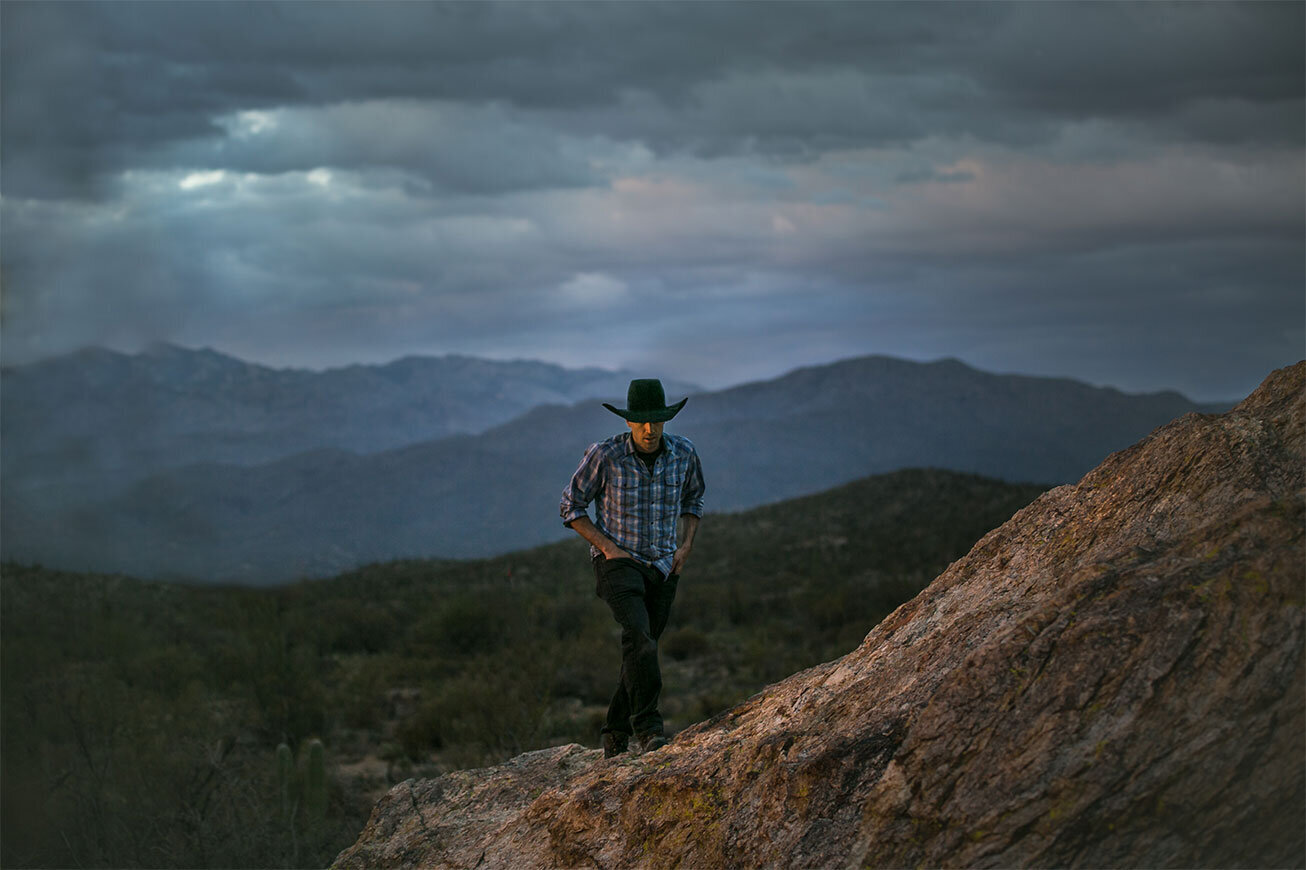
(715, 192)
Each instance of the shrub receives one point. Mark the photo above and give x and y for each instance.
(685, 643)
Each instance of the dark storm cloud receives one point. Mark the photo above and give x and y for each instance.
(1110, 191)
(95, 88)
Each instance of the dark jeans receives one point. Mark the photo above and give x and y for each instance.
(640, 600)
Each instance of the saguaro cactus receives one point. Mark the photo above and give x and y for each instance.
(286, 780)
(315, 783)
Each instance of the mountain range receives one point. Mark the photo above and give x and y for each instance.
(369, 463)
(116, 418)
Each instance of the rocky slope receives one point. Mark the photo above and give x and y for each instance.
(1115, 677)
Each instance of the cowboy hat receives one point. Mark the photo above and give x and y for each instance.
(647, 403)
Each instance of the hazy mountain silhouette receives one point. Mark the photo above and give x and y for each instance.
(322, 511)
(90, 423)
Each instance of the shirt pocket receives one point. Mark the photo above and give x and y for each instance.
(671, 484)
(673, 479)
(625, 498)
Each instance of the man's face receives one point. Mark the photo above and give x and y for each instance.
(647, 435)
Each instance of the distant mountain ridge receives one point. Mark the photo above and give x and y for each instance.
(116, 418)
(319, 512)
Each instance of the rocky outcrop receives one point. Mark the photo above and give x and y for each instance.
(1115, 677)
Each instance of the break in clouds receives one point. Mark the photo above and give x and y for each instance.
(712, 192)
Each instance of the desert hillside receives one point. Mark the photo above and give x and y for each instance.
(1114, 677)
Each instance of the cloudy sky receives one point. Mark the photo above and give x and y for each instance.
(715, 192)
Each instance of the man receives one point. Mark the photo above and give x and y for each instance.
(642, 483)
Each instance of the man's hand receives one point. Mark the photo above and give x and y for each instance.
(688, 528)
(584, 527)
(679, 559)
(613, 552)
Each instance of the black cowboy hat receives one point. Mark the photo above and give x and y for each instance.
(647, 403)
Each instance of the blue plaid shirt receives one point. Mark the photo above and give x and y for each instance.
(635, 508)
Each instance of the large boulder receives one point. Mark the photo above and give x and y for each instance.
(1115, 677)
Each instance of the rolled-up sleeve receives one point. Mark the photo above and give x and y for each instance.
(584, 485)
(691, 495)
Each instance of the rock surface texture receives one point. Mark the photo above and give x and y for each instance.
(1115, 677)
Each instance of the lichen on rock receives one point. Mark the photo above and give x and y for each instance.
(1114, 677)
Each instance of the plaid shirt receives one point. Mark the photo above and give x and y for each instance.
(635, 508)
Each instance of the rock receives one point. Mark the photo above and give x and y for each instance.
(444, 821)
(1114, 677)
